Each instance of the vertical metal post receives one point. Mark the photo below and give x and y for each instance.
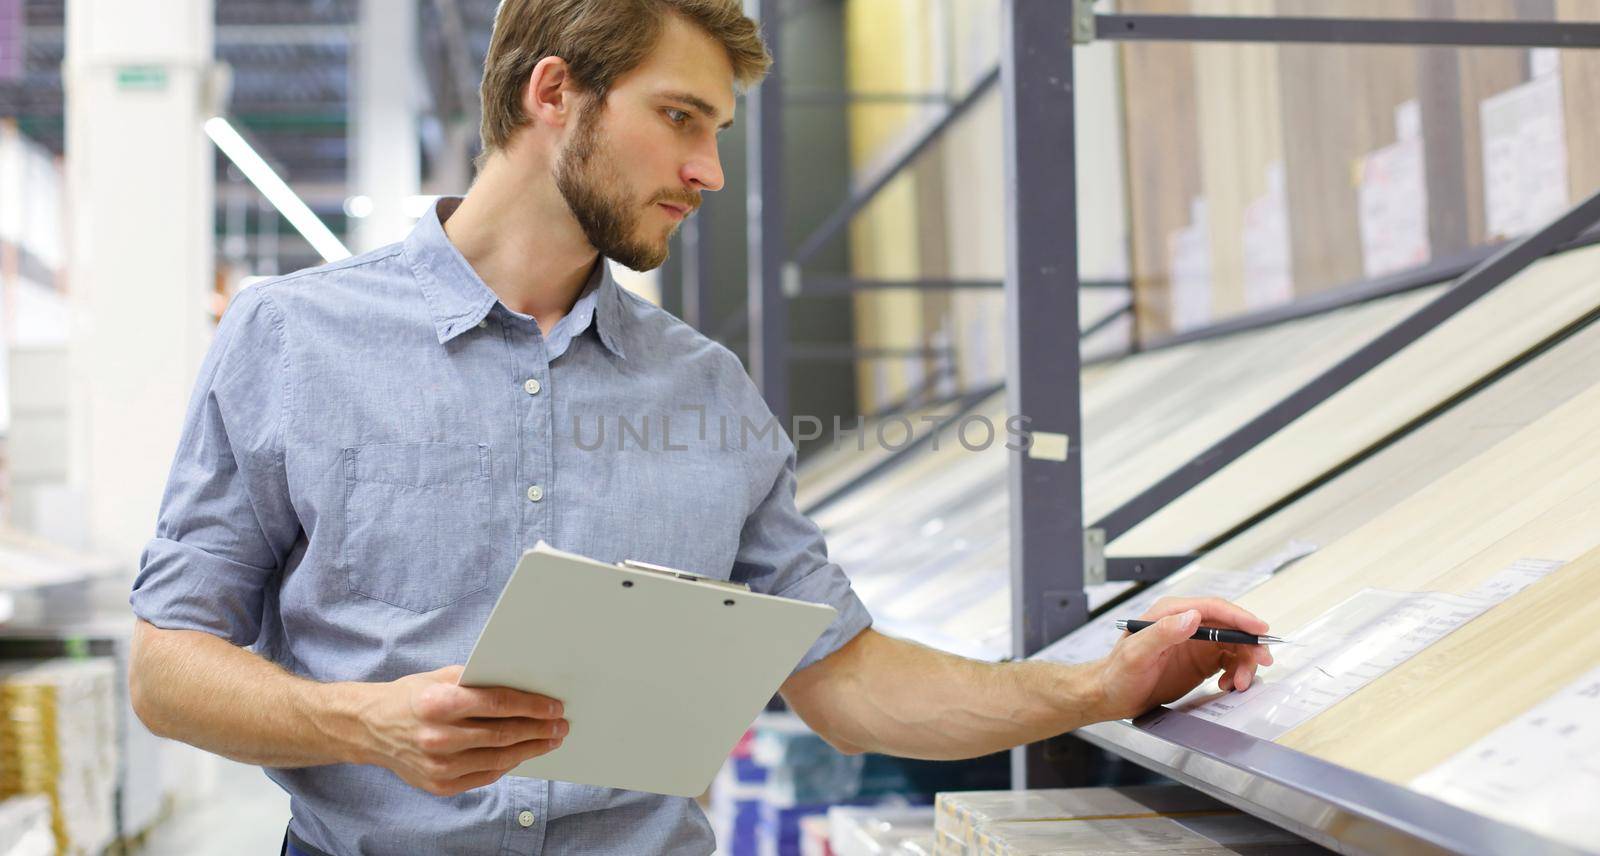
(695, 269)
(768, 308)
(1042, 366)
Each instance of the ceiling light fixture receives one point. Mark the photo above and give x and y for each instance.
(266, 180)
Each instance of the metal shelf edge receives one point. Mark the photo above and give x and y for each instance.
(1334, 806)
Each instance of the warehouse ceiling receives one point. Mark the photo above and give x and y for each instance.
(290, 63)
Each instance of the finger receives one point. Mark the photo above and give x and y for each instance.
(470, 782)
(445, 703)
(507, 731)
(1228, 614)
(1238, 666)
(1213, 611)
(475, 761)
(1227, 660)
(1248, 660)
(1145, 647)
(1255, 654)
(489, 733)
(1244, 673)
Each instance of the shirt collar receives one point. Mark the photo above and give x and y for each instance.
(458, 297)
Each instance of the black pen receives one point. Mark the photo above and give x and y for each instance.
(1208, 634)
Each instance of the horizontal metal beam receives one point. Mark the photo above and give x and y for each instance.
(844, 96)
(869, 190)
(1145, 569)
(842, 286)
(847, 353)
(1354, 293)
(1334, 806)
(1504, 264)
(1348, 31)
(839, 285)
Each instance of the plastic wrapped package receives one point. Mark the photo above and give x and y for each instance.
(1196, 834)
(58, 739)
(948, 844)
(961, 815)
(880, 831)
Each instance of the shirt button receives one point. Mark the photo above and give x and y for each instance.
(531, 385)
(484, 324)
(535, 493)
(525, 818)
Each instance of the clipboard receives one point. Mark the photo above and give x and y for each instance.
(660, 671)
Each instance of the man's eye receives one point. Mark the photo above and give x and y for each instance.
(677, 117)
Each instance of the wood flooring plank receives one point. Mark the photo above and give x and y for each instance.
(1162, 134)
(1496, 328)
(1467, 684)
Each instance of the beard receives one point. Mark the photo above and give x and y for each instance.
(586, 174)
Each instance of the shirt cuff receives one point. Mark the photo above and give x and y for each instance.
(181, 587)
(828, 584)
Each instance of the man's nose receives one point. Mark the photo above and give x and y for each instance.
(703, 171)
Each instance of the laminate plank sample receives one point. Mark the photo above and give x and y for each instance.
(1509, 320)
(1580, 85)
(1467, 684)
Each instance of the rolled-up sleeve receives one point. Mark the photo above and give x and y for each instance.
(783, 553)
(226, 523)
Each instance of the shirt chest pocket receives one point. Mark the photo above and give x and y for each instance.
(417, 522)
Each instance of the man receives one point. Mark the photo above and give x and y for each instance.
(372, 443)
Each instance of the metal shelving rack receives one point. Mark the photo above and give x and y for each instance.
(1054, 554)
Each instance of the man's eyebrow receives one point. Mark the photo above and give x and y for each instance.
(700, 104)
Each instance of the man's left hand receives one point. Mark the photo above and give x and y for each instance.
(1161, 663)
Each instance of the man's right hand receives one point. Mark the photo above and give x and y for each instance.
(446, 739)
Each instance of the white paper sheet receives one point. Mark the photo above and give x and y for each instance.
(1524, 152)
(1540, 771)
(1268, 266)
(1393, 197)
(1189, 269)
(1351, 645)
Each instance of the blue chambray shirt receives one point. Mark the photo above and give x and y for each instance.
(373, 443)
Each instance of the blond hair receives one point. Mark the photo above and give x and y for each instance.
(601, 40)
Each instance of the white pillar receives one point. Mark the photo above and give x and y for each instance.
(140, 174)
(385, 149)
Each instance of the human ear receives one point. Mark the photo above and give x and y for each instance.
(548, 96)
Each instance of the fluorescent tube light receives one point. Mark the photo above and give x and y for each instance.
(261, 174)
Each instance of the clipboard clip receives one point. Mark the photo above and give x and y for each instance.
(636, 565)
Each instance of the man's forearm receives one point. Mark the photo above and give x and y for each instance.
(207, 692)
(880, 694)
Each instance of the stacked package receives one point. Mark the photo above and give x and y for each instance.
(58, 740)
(1131, 820)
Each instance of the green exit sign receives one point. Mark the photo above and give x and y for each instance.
(142, 77)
